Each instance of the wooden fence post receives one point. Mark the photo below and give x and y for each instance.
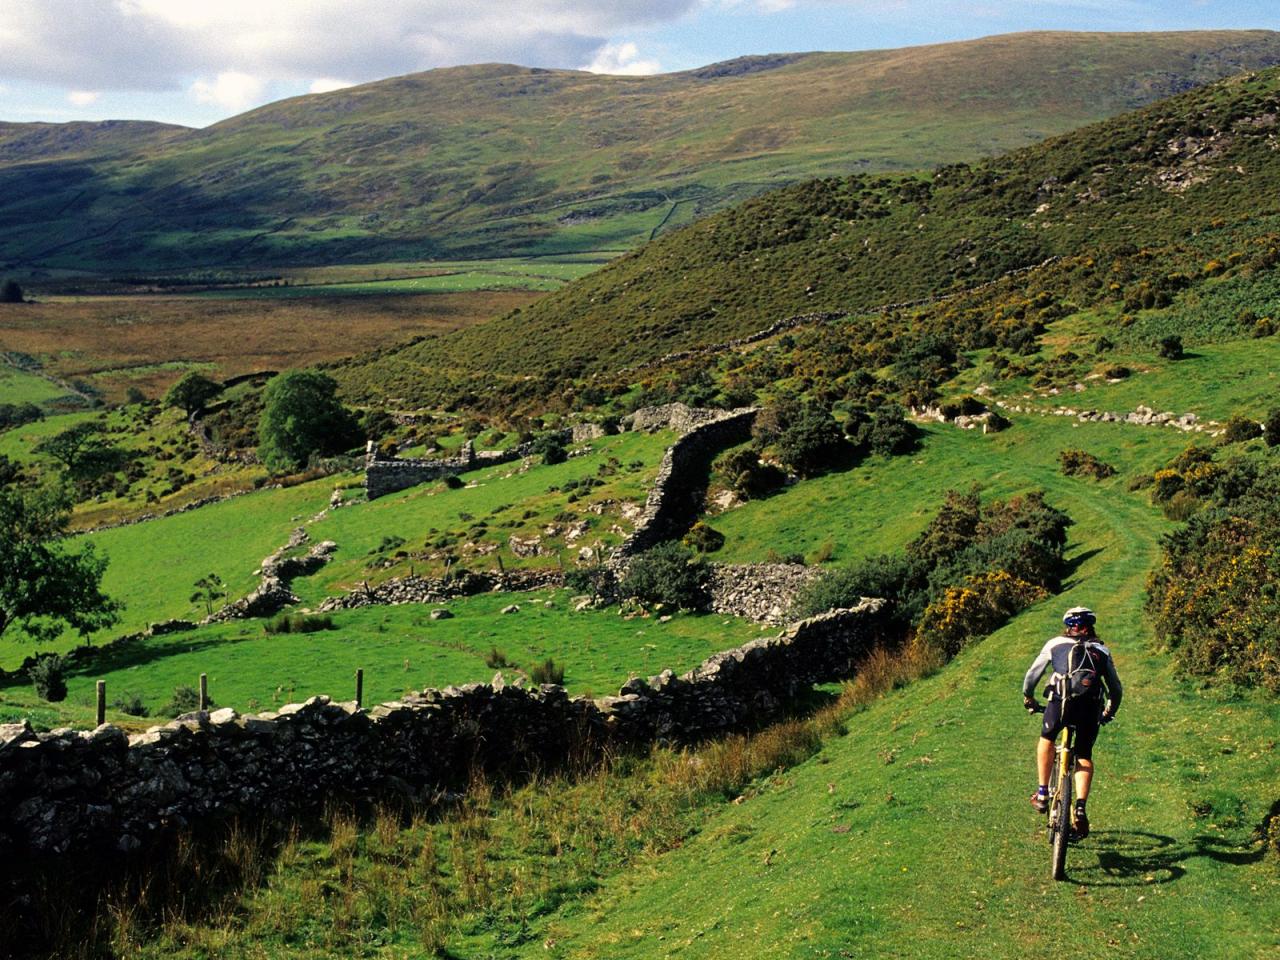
(102, 702)
(359, 688)
(204, 691)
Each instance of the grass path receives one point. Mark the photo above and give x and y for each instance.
(912, 836)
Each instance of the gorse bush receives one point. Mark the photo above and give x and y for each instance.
(747, 475)
(704, 538)
(974, 609)
(1081, 463)
(884, 431)
(1240, 429)
(1215, 598)
(1013, 550)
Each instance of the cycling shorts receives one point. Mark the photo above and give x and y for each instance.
(1085, 714)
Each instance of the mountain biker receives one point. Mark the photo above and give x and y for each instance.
(1086, 712)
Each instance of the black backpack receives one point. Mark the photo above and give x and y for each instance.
(1085, 667)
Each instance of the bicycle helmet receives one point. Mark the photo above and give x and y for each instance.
(1079, 617)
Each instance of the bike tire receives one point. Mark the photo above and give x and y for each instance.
(1061, 828)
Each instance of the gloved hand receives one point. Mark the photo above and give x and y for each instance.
(1031, 704)
(1107, 717)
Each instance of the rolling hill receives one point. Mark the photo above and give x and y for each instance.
(1152, 197)
(496, 159)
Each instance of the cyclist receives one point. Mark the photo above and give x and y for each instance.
(1086, 712)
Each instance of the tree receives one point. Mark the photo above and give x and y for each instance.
(209, 590)
(10, 292)
(45, 588)
(83, 451)
(192, 392)
(812, 443)
(301, 416)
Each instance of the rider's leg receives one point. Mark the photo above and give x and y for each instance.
(1084, 777)
(1044, 759)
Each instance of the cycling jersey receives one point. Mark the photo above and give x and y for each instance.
(1056, 652)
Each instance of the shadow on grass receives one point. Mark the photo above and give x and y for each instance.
(1075, 563)
(140, 654)
(1134, 858)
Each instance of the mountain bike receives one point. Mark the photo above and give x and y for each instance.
(1061, 782)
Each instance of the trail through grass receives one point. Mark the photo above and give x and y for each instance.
(912, 836)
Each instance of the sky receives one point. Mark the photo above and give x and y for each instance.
(195, 62)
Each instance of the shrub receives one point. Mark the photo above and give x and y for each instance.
(668, 574)
(495, 659)
(1170, 348)
(704, 538)
(1241, 429)
(896, 578)
(550, 446)
(1271, 428)
(184, 700)
(884, 431)
(547, 672)
(975, 608)
(1181, 505)
(298, 623)
(1081, 463)
(454, 482)
(1117, 373)
(48, 677)
(131, 704)
(747, 475)
(812, 444)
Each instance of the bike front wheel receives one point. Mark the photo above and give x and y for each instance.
(1060, 827)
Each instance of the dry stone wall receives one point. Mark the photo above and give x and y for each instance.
(675, 499)
(763, 592)
(384, 475)
(102, 791)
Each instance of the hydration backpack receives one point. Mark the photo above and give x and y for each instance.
(1083, 679)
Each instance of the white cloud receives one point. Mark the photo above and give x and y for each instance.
(329, 84)
(230, 89)
(163, 44)
(83, 98)
(622, 58)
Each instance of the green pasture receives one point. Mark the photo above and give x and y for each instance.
(153, 565)
(506, 498)
(912, 836)
(881, 504)
(451, 277)
(18, 386)
(399, 648)
(906, 834)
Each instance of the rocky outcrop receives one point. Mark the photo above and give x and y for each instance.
(763, 592)
(102, 791)
(1141, 416)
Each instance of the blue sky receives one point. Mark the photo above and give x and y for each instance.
(199, 61)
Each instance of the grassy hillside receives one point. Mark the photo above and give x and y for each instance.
(906, 832)
(1174, 201)
(494, 159)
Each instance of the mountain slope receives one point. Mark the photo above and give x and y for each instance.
(498, 159)
(1192, 177)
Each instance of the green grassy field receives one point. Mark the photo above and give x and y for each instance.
(445, 277)
(881, 505)
(399, 648)
(906, 834)
(18, 386)
(506, 499)
(912, 836)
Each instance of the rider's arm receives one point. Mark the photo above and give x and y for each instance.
(1114, 690)
(1037, 670)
